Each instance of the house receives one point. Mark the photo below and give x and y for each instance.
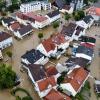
(97, 86)
(60, 41)
(56, 94)
(74, 81)
(43, 87)
(60, 4)
(36, 72)
(66, 9)
(94, 11)
(5, 40)
(77, 4)
(47, 47)
(35, 6)
(53, 16)
(69, 31)
(23, 31)
(87, 39)
(72, 31)
(34, 57)
(76, 62)
(6, 22)
(87, 22)
(84, 52)
(36, 20)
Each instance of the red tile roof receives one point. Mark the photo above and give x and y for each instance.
(51, 71)
(43, 85)
(76, 77)
(88, 45)
(15, 26)
(4, 36)
(48, 45)
(56, 95)
(37, 17)
(58, 39)
(94, 11)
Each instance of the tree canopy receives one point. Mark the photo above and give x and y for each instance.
(55, 24)
(7, 76)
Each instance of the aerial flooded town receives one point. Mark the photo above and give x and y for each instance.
(49, 49)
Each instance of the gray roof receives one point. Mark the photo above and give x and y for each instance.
(68, 30)
(37, 71)
(32, 56)
(85, 50)
(72, 62)
(87, 19)
(25, 29)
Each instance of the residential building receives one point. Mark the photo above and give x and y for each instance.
(72, 31)
(87, 22)
(60, 4)
(76, 62)
(43, 87)
(56, 94)
(6, 22)
(97, 86)
(74, 81)
(84, 52)
(47, 47)
(5, 40)
(34, 57)
(36, 20)
(94, 11)
(87, 39)
(53, 16)
(77, 4)
(35, 6)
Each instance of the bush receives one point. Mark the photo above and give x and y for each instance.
(60, 79)
(18, 98)
(67, 16)
(27, 98)
(55, 24)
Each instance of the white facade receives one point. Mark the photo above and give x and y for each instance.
(6, 43)
(41, 61)
(83, 56)
(53, 18)
(70, 11)
(35, 6)
(41, 48)
(85, 25)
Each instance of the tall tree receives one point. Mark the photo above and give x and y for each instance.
(7, 76)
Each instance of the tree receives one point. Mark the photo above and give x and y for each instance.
(79, 15)
(9, 54)
(40, 36)
(7, 76)
(67, 16)
(55, 25)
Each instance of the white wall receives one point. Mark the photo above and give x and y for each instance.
(6, 43)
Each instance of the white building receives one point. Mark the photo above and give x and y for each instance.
(34, 57)
(5, 40)
(35, 6)
(53, 16)
(87, 22)
(74, 81)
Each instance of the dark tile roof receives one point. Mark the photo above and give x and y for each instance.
(85, 50)
(37, 71)
(59, 3)
(32, 56)
(53, 13)
(87, 39)
(78, 30)
(68, 30)
(72, 62)
(8, 20)
(25, 29)
(87, 19)
(4, 36)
